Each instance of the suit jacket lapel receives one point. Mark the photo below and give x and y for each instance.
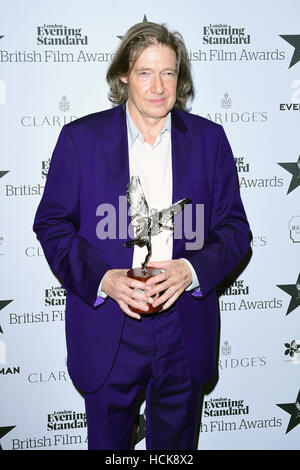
(117, 144)
(181, 147)
(117, 154)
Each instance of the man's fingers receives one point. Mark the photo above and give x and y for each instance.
(168, 298)
(156, 289)
(139, 304)
(128, 293)
(129, 312)
(173, 291)
(157, 278)
(167, 281)
(170, 302)
(164, 297)
(164, 288)
(135, 294)
(134, 284)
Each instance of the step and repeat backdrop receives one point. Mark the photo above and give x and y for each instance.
(245, 62)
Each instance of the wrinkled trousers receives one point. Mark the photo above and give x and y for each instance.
(151, 357)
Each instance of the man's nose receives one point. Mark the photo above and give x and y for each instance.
(157, 84)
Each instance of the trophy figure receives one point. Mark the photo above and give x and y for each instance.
(147, 223)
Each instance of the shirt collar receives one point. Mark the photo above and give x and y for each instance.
(134, 133)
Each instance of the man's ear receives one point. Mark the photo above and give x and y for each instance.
(124, 78)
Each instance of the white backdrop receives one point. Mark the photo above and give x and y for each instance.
(243, 80)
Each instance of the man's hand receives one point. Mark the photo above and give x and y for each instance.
(174, 280)
(125, 291)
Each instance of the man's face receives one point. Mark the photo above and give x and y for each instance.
(152, 83)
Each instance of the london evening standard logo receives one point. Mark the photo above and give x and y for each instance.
(224, 34)
(237, 411)
(237, 287)
(220, 37)
(55, 299)
(64, 423)
(224, 407)
(65, 419)
(54, 46)
(242, 166)
(232, 295)
(60, 35)
(45, 165)
(55, 296)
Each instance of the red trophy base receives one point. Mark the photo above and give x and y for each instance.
(140, 275)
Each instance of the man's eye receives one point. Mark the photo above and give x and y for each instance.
(169, 75)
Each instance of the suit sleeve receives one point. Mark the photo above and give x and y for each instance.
(229, 233)
(72, 258)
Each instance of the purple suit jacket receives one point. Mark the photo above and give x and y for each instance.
(89, 167)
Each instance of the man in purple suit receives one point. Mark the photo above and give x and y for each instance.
(115, 353)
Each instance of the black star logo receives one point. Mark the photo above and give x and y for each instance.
(294, 410)
(294, 291)
(2, 173)
(4, 431)
(144, 20)
(293, 168)
(3, 304)
(294, 40)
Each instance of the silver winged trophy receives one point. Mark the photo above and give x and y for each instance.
(148, 223)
